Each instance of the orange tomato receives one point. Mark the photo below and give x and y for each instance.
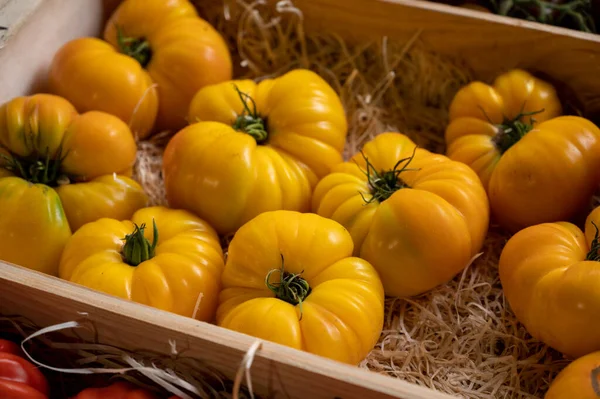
(536, 165)
(60, 171)
(155, 56)
(550, 274)
(255, 148)
(580, 379)
(398, 202)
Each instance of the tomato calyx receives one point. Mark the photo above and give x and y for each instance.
(136, 48)
(513, 130)
(137, 247)
(36, 169)
(291, 288)
(595, 376)
(250, 122)
(594, 254)
(385, 183)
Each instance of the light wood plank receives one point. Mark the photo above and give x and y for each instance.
(47, 300)
(37, 29)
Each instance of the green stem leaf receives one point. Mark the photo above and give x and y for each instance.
(291, 288)
(594, 253)
(385, 183)
(250, 121)
(138, 49)
(41, 168)
(513, 130)
(137, 248)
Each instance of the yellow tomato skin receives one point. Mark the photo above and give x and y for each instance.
(94, 147)
(183, 277)
(478, 108)
(97, 144)
(549, 175)
(551, 287)
(341, 318)
(546, 175)
(93, 75)
(33, 225)
(223, 176)
(423, 234)
(142, 16)
(111, 196)
(580, 379)
(185, 54)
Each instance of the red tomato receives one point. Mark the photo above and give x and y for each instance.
(17, 390)
(18, 377)
(7, 346)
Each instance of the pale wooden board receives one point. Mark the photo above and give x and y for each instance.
(489, 44)
(37, 29)
(47, 301)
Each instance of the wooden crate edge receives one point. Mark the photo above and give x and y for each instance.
(48, 300)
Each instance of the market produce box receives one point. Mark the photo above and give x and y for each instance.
(177, 185)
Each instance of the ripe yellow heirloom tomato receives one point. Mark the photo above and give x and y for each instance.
(417, 217)
(535, 165)
(155, 56)
(59, 172)
(175, 265)
(550, 274)
(290, 278)
(580, 379)
(255, 148)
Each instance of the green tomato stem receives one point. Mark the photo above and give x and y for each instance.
(250, 122)
(385, 183)
(595, 374)
(37, 168)
(594, 253)
(291, 288)
(513, 130)
(137, 248)
(137, 48)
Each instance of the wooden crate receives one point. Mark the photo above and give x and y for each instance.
(488, 44)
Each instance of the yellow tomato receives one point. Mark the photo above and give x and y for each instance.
(417, 217)
(175, 266)
(59, 172)
(259, 148)
(537, 167)
(157, 54)
(290, 278)
(550, 274)
(580, 379)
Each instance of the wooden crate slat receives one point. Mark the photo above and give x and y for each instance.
(48, 300)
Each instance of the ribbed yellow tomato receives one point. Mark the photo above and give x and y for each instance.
(550, 274)
(59, 172)
(417, 217)
(580, 379)
(174, 266)
(156, 56)
(536, 166)
(290, 278)
(259, 148)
